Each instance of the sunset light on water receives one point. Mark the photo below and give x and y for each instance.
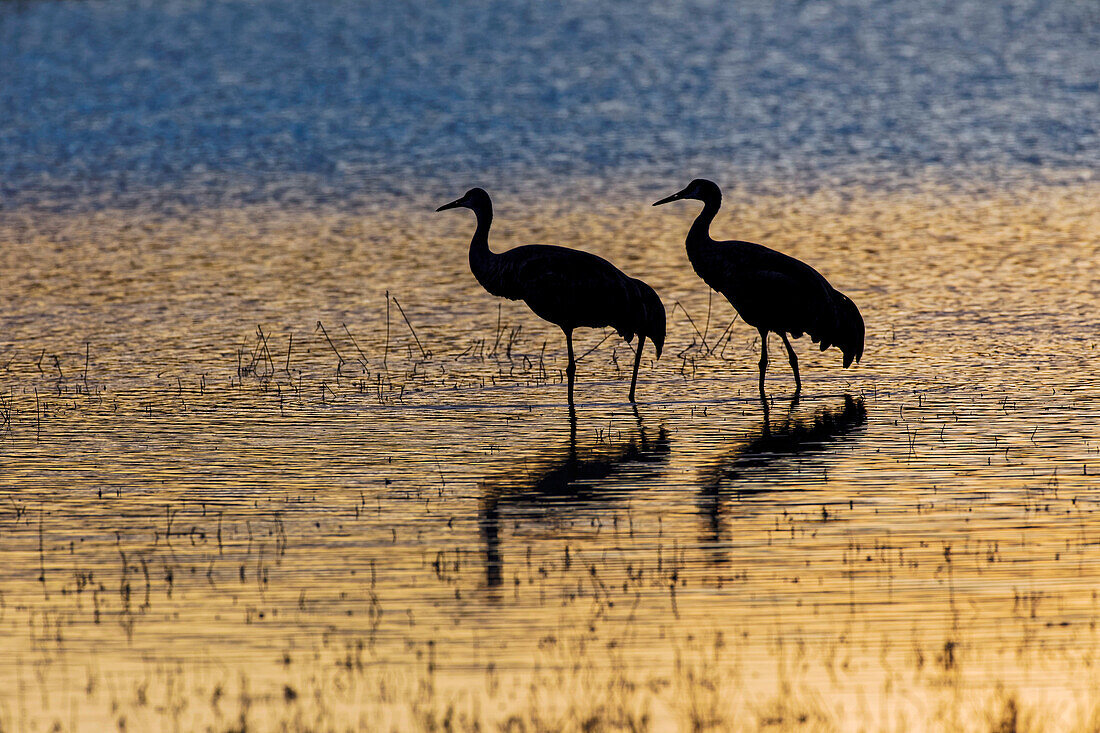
(272, 459)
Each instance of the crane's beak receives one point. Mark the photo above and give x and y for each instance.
(453, 205)
(674, 197)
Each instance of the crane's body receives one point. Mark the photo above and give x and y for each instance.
(567, 287)
(771, 291)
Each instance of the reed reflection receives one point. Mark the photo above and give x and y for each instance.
(569, 477)
(749, 466)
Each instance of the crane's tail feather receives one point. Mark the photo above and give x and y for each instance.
(655, 321)
(849, 329)
(651, 315)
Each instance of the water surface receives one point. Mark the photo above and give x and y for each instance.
(271, 458)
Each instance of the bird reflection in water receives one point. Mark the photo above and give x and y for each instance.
(567, 478)
(749, 466)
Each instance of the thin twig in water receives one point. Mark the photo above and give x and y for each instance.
(87, 356)
(706, 328)
(605, 338)
(512, 337)
(5, 412)
(722, 335)
(692, 321)
(266, 350)
(423, 352)
(334, 349)
(493, 351)
(386, 353)
(356, 344)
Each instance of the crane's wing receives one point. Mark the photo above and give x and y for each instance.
(570, 288)
(789, 302)
(770, 289)
(779, 293)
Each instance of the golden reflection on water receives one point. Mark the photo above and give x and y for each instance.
(215, 512)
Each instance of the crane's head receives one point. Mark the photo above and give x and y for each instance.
(475, 199)
(700, 189)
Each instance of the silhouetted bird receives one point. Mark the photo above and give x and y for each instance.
(569, 288)
(770, 290)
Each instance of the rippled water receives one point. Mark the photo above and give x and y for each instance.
(271, 458)
(343, 102)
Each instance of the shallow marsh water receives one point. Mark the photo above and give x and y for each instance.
(271, 459)
(202, 530)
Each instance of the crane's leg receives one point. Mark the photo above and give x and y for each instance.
(571, 370)
(794, 365)
(763, 362)
(637, 361)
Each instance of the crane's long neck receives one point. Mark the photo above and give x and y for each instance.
(480, 254)
(700, 228)
(483, 259)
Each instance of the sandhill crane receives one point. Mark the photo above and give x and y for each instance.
(569, 288)
(770, 290)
